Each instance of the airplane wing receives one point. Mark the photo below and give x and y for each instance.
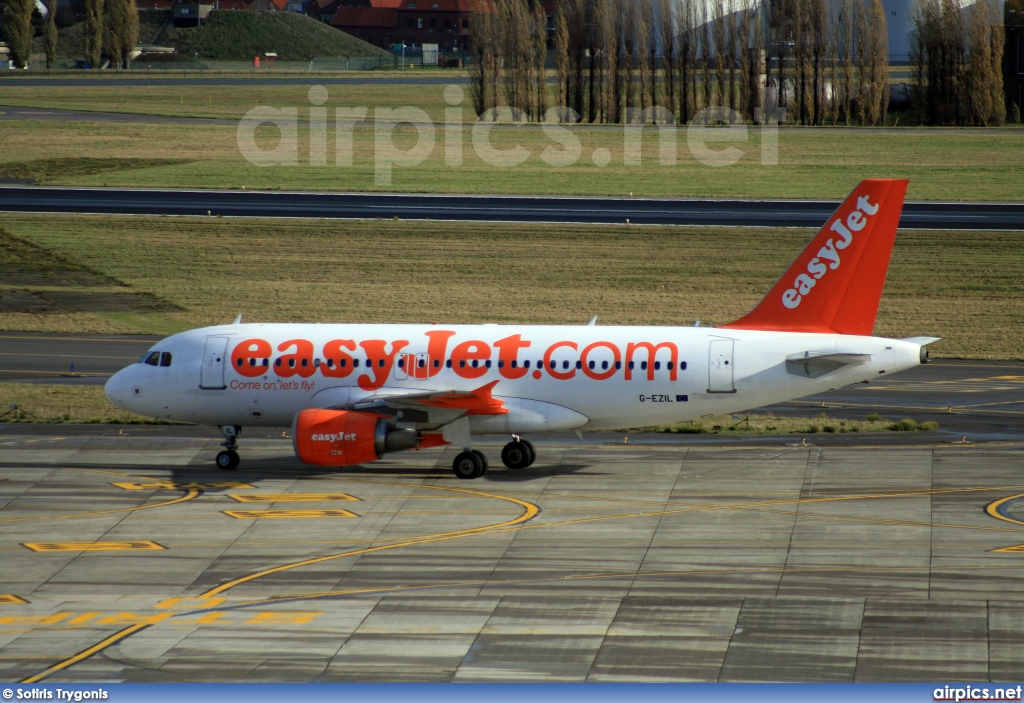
(432, 409)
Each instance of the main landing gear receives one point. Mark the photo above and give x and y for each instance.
(472, 463)
(228, 459)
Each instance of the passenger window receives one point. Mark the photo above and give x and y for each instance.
(630, 365)
(266, 363)
(462, 363)
(554, 364)
(501, 364)
(526, 364)
(277, 362)
(305, 363)
(565, 364)
(590, 364)
(579, 365)
(401, 363)
(291, 363)
(316, 362)
(330, 363)
(422, 363)
(343, 363)
(380, 363)
(475, 363)
(682, 366)
(618, 364)
(437, 363)
(165, 359)
(448, 363)
(515, 363)
(153, 359)
(643, 365)
(657, 366)
(355, 363)
(487, 363)
(604, 365)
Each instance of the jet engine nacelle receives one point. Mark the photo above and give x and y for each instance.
(344, 437)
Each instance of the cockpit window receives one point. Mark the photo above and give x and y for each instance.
(153, 359)
(165, 359)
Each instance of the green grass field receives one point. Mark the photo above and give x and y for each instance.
(187, 272)
(812, 163)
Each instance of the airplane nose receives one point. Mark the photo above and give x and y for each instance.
(114, 389)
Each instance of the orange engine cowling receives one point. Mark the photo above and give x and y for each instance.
(345, 437)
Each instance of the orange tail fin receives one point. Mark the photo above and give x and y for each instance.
(836, 283)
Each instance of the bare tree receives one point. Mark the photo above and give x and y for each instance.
(121, 31)
(94, 32)
(17, 30)
(540, 55)
(50, 34)
(704, 22)
(687, 50)
(642, 32)
(667, 25)
(611, 44)
(561, 55)
(848, 21)
(482, 31)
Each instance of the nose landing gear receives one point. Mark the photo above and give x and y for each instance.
(228, 459)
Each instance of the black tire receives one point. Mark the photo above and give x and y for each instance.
(516, 455)
(228, 461)
(483, 459)
(533, 452)
(468, 465)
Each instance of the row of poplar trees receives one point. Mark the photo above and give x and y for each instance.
(957, 55)
(614, 59)
(110, 23)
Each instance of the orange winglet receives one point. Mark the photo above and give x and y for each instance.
(478, 402)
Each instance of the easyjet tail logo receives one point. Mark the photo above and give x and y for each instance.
(828, 258)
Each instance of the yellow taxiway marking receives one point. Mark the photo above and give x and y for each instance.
(993, 509)
(11, 599)
(86, 653)
(181, 486)
(529, 511)
(630, 575)
(1016, 548)
(287, 514)
(117, 546)
(288, 497)
(190, 493)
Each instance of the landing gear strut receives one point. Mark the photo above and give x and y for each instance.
(518, 454)
(228, 459)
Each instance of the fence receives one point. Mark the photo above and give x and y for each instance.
(412, 59)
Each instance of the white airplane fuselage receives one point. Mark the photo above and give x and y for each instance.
(604, 377)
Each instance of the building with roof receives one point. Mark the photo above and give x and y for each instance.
(384, 23)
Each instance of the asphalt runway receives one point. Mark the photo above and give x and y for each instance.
(128, 558)
(793, 213)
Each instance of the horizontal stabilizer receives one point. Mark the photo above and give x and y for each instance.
(815, 364)
(921, 340)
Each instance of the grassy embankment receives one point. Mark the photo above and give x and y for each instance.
(818, 163)
(165, 274)
(229, 35)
